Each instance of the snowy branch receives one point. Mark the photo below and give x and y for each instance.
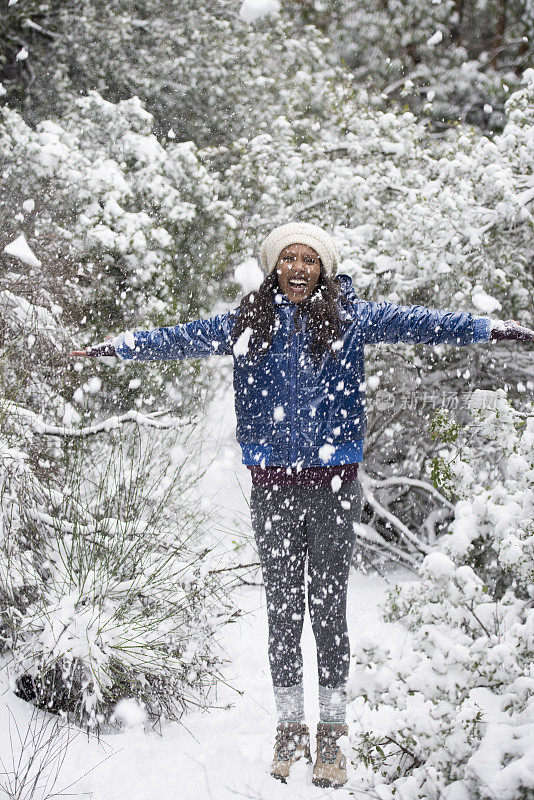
(29, 23)
(312, 204)
(112, 423)
(70, 528)
(373, 541)
(397, 84)
(401, 481)
(404, 532)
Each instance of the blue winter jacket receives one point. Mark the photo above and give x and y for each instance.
(290, 409)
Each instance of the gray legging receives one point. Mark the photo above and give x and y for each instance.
(289, 522)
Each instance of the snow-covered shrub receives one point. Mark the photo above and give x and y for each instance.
(142, 227)
(124, 605)
(105, 585)
(205, 73)
(452, 715)
(492, 529)
(144, 212)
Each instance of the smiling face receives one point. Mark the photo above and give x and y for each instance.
(298, 269)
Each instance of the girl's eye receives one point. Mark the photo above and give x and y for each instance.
(311, 262)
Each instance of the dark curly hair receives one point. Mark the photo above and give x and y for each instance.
(257, 311)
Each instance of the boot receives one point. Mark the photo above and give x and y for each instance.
(330, 768)
(292, 742)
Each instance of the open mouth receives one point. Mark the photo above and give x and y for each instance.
(297, 285)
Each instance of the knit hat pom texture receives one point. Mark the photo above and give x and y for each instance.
(300, 233)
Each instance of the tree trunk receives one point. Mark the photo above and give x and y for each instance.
(498, 36)
(456, 29)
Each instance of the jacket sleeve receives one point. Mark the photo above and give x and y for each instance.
(387, 322)
(198, 339)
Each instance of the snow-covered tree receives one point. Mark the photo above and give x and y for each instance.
(448, 60)
(140, 225)
(203, 71)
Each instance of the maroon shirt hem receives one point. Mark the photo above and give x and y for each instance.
(307, 476)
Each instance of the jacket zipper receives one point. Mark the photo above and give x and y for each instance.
(293, 394)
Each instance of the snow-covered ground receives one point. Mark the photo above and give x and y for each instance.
(224, 753)
(220, 754)
(225, 487)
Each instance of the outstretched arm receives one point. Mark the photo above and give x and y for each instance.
(197, 339)
(388, 322)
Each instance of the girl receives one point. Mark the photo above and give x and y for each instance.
(298, 350)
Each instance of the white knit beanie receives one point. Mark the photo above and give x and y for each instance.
(300, 233)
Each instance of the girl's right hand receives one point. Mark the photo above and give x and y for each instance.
(106, 349)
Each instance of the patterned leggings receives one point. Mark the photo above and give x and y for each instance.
(289, 523)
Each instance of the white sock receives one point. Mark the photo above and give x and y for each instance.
(289, 702)
(332, 704)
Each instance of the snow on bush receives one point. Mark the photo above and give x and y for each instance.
(222, 76)
(106, 591)
(131, 234)
(452, 715)
(136, 205)
(104, 585)
(448, 62)
(492, 532)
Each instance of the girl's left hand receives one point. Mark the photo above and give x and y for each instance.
(510, 329)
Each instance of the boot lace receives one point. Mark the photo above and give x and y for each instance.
(329, 747)
(286, 743)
